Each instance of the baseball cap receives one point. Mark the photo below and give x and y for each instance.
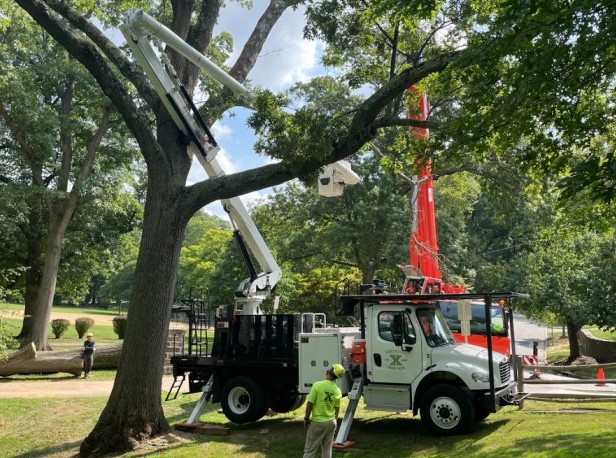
(337, 370)
(89, 334)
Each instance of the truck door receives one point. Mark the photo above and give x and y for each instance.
(390, 360)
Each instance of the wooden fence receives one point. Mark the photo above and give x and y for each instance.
(594, 396)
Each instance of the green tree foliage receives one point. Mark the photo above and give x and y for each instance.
(455, 198)
(309, 232)
(118, 284)
(60, 153)
(560, 281)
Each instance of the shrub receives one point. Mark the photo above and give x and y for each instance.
(59, 327)
(83, 325)
(7, 342)
(119, 326)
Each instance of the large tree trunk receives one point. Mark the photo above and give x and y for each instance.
(34, 242)
(28, 361)
(574, 343)
(134, 410)
(41, 308)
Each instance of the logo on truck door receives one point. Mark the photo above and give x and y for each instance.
(397, 360)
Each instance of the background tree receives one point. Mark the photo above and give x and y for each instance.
(56, 125)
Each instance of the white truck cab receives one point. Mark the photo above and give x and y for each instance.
(410, 362)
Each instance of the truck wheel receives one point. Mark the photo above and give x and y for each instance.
(447, 410)
(244, 400)
(287, 403)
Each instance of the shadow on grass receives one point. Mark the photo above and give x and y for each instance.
(48, 451)
(283, 435)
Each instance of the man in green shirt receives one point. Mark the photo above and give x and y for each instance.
(324, 405)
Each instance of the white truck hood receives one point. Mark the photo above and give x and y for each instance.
(464, 360)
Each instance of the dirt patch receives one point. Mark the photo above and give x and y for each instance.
(69, 387)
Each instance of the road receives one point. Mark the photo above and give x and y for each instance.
(526, 333)
(62, 387)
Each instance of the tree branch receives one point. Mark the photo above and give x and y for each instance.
(66, 136)
(109, 49)
(248, 57)
(394, 121)
(237, 184)
(362, 128)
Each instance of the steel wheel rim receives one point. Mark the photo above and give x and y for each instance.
(445, 412)
(239, 400)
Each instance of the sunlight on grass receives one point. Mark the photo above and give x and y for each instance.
(599, 334)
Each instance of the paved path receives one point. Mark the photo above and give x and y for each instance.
(62, 387)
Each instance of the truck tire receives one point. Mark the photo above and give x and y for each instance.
(244, 400)
(287, 403)
(447, 410)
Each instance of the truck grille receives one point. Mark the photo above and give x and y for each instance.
(505, 371)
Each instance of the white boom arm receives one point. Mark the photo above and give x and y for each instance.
(135, 30)
(179, 104)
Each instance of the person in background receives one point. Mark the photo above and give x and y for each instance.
(324, 406)
(89, 346)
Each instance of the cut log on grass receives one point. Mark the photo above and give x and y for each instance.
(28, 361)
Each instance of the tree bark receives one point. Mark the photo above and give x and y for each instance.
(34, 242)
(574, 343)
(28, 361)
(134, 410)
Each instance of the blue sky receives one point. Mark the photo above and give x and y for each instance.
(285, 59)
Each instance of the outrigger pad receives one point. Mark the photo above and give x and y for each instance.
(343, 445)
(202, 428)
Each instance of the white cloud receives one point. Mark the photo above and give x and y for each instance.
(286, 56)
(221, 130)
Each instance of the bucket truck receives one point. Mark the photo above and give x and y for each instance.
(402, 355)
(423, 275)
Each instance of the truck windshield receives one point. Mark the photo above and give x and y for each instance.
(478, 321)
(434, 327)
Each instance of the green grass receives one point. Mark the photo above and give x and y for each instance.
(598, 333)
(103, 334)
(541, 430)
(77, 310)
(54, 427)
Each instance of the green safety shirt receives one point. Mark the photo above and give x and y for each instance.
(325, 397)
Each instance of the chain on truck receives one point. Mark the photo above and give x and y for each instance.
(401, 355)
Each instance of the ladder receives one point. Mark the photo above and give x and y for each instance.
(175, 386)
(354, 395)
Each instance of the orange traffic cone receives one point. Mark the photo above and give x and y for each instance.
(600, 377)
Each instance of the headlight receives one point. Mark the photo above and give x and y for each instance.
(480, 377)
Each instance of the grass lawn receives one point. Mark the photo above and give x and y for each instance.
(78, 310)
(545, 432)
(599, 334)
(54, 427)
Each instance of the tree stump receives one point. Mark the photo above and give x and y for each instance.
(28, 361)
